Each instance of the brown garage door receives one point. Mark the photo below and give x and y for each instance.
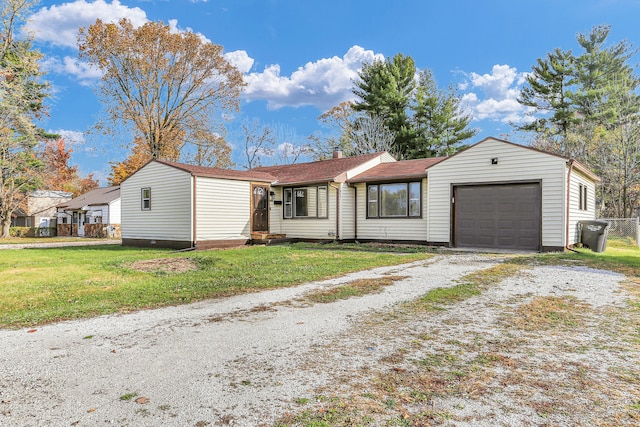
(497, 216)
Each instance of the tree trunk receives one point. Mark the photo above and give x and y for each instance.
(5, 225)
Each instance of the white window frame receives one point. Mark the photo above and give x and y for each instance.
(321, 207)
(145, 201)
(378, 188)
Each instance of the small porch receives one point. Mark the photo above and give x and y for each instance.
(266, 238)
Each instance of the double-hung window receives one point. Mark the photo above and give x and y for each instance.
(394, 200)
(582, 197)
(306, 202)
(145, 199)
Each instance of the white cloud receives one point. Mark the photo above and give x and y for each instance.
(85, 74)
(174, 28)
(323, 83)
(240, 59)
(71, 137)
(59, 24)
(494, 96)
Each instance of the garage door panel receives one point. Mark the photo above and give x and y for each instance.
(498, 216)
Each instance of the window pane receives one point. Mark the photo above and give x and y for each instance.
(322, 202)
(414, 199)
(372, 201)
(146, 198)
(393, 200)
(301, 200)
(288, 207)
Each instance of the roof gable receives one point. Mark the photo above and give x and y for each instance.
(318, 171)
(402, 169)
(98, 196)
(579, 166)
(210, 172)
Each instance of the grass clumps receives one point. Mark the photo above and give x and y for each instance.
(547, 312)
(352, 289)
(471, 285)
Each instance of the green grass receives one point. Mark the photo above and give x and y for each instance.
(621, 256)
(471, 285)
(27, 240)
(367, 247)
(43, 285)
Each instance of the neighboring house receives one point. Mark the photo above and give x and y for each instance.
(495, 194)
(40, 209)
(92, 214)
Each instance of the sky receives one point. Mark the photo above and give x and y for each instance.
(300, 57)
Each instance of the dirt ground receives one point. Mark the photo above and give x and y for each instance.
(457, 340)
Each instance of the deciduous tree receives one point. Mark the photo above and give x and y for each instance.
(259, 143)
(21, 102)
(168, 87)
(58, 174)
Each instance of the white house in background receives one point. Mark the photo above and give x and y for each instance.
(92, 214)
(40, 209)
(495, 194)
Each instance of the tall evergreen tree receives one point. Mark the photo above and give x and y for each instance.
(548, 92)
(591, 109)
(384, 90)
(425, 120)
(599, 72)
(439, 123)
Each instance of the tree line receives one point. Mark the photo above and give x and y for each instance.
(585, 105)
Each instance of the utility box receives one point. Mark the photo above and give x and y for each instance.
(593, 234)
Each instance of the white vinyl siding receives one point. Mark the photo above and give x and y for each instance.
(576, 214)
(114, 212)
(170, 217)
(402, 228)
(347, 213)
(223, 209)
(276, 211)
(305, 228)
(515, 164)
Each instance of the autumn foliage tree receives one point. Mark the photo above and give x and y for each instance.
(21, 103)
(167, 87)
(58, 174)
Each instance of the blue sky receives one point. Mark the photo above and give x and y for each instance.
(299, 56)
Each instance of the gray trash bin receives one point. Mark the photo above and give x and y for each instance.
(593, 234)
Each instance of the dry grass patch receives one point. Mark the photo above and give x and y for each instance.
(547, 312)
(164, 265)
(352, 289)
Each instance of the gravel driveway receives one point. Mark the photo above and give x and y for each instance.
(255, 359)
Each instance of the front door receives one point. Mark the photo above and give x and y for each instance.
(260, 208)
(80, 224)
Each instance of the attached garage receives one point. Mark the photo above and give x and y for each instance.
(500, 216)
(501, 195)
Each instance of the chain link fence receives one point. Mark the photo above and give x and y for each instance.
(624, 228)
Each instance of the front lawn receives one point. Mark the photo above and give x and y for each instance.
(45, 285)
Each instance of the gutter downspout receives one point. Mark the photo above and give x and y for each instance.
(355, 213)
(566, 233)
(194, 241)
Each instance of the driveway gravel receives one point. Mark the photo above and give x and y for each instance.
(253, 359)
